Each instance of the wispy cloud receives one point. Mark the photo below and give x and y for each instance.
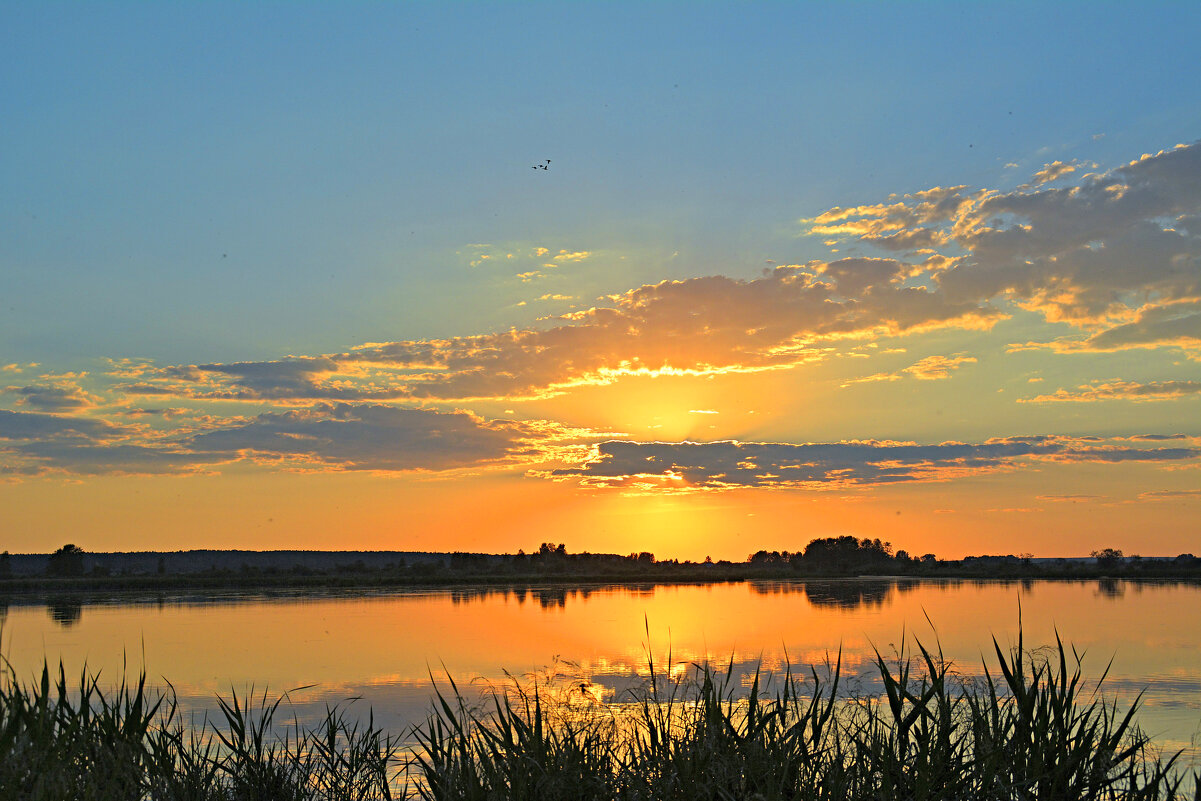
(1170, 495)
(1121, 390)
(931, 368)
(1053, 172)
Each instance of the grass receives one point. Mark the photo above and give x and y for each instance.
(81, 743)
(1027, 729)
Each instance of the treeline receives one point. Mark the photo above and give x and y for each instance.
(826, 557)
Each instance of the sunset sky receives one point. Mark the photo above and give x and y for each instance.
(697, 279)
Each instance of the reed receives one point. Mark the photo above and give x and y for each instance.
(61, 742)
(1027, 730)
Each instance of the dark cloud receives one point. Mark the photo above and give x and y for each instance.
(1175, 324)
(52, 397)
(328, 436)
(90, 459)
(39, 443)
(372, 437)
(35, 425)
(726, 465)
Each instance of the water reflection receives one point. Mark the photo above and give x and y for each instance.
(65, 612)
(863, 594)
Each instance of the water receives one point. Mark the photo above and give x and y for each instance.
(389, 650)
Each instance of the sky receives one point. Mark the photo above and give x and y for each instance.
(698, 279)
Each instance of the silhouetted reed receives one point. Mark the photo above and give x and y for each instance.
(1026, 729)
(59, 742)
(1028, 732)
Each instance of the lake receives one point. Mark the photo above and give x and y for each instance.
(388, 650)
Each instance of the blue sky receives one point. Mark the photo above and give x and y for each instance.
(195, 182)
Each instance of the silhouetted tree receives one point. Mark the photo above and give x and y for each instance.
(66, 561)
(1108, 558)
(845, 553)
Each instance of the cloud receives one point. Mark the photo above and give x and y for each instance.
(1122, 390)
(373, 437)
(91, 459)
(61, 397)
(33, 443)
(1053, 172)
(694, 466)
(1154, 325)
(1169, 495)
(1090, 254)
(35, 425)
(931, 368)
(335, 436)
(702, 326)
(1117, 254)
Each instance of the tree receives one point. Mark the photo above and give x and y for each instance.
(1108, 558)
(66, 561)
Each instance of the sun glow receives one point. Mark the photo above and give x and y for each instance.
(669, 408)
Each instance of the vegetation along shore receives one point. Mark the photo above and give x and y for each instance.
(1031, 728)
(72, 569)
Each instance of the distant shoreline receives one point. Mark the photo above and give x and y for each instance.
(72, 571)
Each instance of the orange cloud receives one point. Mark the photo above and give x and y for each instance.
(700, 326)
(1121, 390)
(931, 368)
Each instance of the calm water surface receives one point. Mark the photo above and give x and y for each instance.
(388, 649)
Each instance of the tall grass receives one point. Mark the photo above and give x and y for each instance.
(1027, 730)
(60, 742)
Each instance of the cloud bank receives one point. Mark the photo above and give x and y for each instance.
(338, 437)
(735, 465)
